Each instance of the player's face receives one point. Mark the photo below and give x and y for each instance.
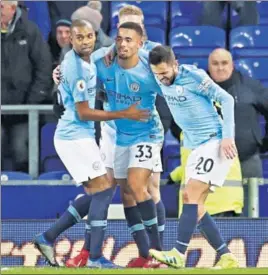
(83, 40)
(128, 43)
(165, 72)
(7, 12)
(220, 66)
(63, 34)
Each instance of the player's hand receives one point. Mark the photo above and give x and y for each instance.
(137, 114)
(109, 57)
(228, 148)
(58, 109)
(56, 75)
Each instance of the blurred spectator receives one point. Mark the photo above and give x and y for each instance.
(212, 12)
(251, 99)
(63, 33)
(104, 8)
(26, 76)
(62, 9)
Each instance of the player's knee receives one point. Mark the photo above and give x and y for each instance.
(155, 194)
(127, 199)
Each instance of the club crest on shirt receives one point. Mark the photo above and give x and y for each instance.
(81, 85)
(135, 87)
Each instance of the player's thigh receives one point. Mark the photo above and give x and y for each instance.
(81, 158)
(121, 162)
(107, 145)
(206, 165)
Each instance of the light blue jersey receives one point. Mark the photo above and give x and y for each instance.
(125, 87)
(190, 99)
(78, 84)
(148, 45)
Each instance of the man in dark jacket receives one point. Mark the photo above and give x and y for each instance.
(251, 100)
(26, 76)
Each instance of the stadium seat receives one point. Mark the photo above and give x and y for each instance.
(55, 175)
(196, 40)
(48, 157)
(11, 175)
(249, 41)
(155, 13)
(201, 63)
(253, 67)
(38, 12)
(185, 13)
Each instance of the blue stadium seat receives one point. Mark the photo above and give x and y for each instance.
(11, 175)
(253, 67)
(185, 13)
(55, 175)
(155, 13)
(196, 40)
(38, 12)
(200, 62)
(48, 156)
(154, 34)
(249, 41)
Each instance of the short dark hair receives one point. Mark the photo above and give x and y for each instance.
(132, 26)
(161, 54)
(80, 23)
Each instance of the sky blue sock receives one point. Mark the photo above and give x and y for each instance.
(70, 217)
(161, 219)
(211, 232)
(137, 230)
(187, 225)
(147, 210)
(97, 218)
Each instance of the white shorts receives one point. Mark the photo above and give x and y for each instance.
(144, 155)
(81, 157)
(205, 164)
(107, 145)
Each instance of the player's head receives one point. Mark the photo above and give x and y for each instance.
(131, 13)
(163, 64)
(8, 10)
(220, 65)
(83, 37)
(128, 40)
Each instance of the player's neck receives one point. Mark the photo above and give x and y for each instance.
(128, 63)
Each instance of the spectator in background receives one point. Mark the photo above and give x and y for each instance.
(26, 77)
(212, 12)
(95, 18)
(251, 99)
(63, 34)
(104, 8)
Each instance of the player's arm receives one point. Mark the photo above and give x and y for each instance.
(207, 87)
(86, 113)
